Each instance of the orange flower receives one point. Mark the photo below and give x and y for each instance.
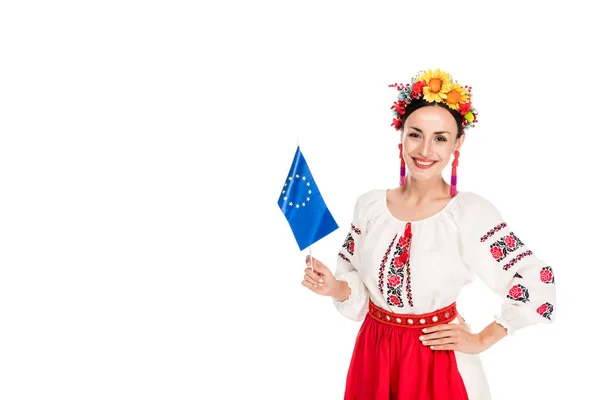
(456, 96)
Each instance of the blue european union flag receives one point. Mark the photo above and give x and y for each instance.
(303, 206)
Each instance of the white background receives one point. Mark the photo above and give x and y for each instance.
(144, 145)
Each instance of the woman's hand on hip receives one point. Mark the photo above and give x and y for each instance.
(457, 337)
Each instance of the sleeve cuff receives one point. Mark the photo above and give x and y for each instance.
(514, 317)
(354, 307)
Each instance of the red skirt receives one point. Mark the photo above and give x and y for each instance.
(390, 362)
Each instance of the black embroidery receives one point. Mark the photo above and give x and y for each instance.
(492, 231)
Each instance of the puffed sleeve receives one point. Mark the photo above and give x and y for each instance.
(355, 307)
(493, 252)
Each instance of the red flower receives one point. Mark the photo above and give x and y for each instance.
(399, 106)
(542, 309)
(496, 252)
(417, 89)
(464, 108)
(351, 246)
(515, 292)
(397, 123)
(399, 262)
(510, 242)
(546, 275)
(403, 257)
(394, 280)
(395, 301)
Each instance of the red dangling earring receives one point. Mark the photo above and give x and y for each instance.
(453, 178)
(402, 167)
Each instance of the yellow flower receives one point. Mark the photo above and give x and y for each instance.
(469, 116)
(437, 85)
(456, 96)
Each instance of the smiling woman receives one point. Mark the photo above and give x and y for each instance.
(433, 133)
(411, 249)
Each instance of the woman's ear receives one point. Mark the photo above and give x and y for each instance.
(459, 142)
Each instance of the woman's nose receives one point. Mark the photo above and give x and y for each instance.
(425, 149)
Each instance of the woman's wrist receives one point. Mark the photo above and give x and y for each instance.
(491, 334)
(341, 291)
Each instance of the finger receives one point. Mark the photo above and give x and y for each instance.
(309, 285)
(441, 341)
(439, 334)
(315, 276)
(440, 327)
(311, 281)
(314, 264)
(445, 347)
(314, 260)
(320, 267)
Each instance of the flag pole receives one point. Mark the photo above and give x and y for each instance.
(312, 261)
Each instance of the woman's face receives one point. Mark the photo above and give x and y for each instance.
(428, 141)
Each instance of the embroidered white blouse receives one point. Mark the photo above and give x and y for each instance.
(419, 267)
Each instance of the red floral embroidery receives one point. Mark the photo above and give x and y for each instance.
(545, 310)
(517, 259)
(496, 252)
(547, 275)
(403, 241)
(510, 242)
(394, 280)
(349, 244)
(382, 265)
(395, 301)
(398, 267)
(518, 292)
(408, 234)
(349, 241)
(401, 259)
(505, 245)
(493, 231)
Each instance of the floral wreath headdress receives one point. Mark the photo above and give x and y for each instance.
(435, 86)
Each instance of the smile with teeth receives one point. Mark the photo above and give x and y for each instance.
(423, 163)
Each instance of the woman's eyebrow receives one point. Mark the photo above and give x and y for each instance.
(437, 132)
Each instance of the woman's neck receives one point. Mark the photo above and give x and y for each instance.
(416, 191)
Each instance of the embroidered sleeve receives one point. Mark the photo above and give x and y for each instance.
(355, 307)
(499, 257)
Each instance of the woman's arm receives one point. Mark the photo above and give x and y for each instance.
(491, 334)
(458, 337)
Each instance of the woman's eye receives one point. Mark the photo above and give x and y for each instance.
(413, 135)
(441, 139)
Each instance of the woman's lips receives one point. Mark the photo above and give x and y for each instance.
(423, 163)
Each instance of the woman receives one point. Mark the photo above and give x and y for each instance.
(411, 249)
